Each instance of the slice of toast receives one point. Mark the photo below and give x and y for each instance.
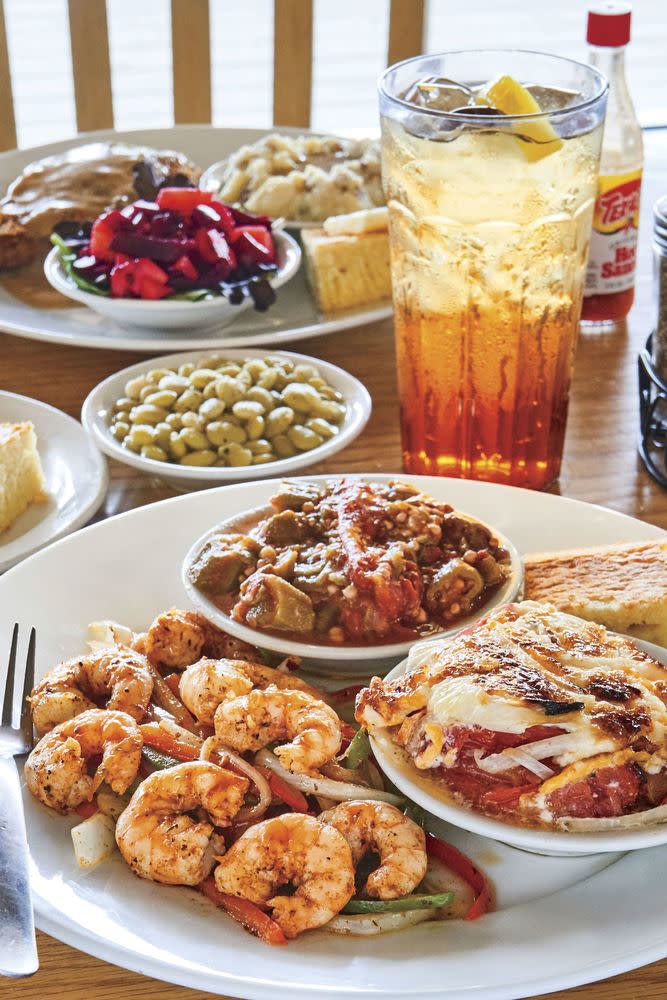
(623, 587)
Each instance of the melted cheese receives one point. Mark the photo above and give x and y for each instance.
(461, 701)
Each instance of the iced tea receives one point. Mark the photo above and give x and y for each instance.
(490, 218)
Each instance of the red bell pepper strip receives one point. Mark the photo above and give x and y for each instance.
(464, 868)
(156, 737)
(505, 794)
(173, 683)
(247, 914)
(342, 695)
(87, 809)
(292, 797)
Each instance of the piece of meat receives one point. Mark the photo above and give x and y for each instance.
(611, 791)
(16, 246)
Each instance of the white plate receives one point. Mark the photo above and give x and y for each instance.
(424, 790)
(293, 317)
(321, 656)
(98, 405)
(560, 921)
(171, 314)
(75, 472)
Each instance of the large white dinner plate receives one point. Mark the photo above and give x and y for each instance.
(75, 473)
(553, 914)
(293, 317)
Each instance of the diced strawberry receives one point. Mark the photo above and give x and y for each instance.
(185, 267)
(256, 242)
(183, 200)
(226, 216)
(103, 231)
(215, 249)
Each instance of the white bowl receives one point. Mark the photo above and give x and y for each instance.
(360, 659)
(171, 314)
(425, 792)
(98, 405)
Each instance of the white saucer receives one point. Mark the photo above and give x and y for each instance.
(76, 478)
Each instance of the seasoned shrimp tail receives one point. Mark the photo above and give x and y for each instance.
(294, 849)
(118, 676)
(207, 683)
(308, 728)
(382, 829)
(177, 639)
(159, 838)
(57, 770)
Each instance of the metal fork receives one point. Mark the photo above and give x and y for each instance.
(18, 951)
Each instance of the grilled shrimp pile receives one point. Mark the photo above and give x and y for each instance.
(216, 771)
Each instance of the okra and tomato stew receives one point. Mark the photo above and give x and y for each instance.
(352, 562)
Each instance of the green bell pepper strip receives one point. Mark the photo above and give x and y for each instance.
(160, 761)
(358, 750)
(417, 902)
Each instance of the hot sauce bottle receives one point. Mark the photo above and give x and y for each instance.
(610, 277)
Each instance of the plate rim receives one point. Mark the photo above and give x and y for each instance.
(100, 472)
(218, 981)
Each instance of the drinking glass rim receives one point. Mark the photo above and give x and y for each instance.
(603, 85)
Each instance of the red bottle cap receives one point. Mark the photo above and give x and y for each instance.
(609, 25)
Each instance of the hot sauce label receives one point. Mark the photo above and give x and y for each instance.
(613, 251)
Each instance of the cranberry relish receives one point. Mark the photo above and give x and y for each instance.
(184, 243)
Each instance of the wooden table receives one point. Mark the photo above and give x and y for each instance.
(600, 466)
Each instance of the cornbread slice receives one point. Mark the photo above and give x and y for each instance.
(623, 587)
(21, 476)
(347, 269)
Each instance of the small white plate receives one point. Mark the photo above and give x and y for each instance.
(295, 316)
(319, 656)
(424, 790)
(98, 405)
(75, 472)
(171, 314)
(559, 922)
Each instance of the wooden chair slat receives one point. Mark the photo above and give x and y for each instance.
(191, 54)
(406, 30)
(7, 121)
(292, 62)
(89, 38)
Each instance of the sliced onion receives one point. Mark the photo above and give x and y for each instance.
(530, 763)
(337, 790)
(166, 699)
(214, 746)
(339, 773)
(366, 924)
(496, 763)
(375, 777)
(633, 821)
(548, 748)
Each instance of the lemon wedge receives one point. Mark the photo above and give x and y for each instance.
(507, 95)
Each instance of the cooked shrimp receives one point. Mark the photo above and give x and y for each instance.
(207, 683)
(292, 849)
(179, 638)
(157, 837)
(382, 829)
(57, 769)
(117, 675)
(310, 727)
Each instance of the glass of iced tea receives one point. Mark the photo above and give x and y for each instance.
(489, 162)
